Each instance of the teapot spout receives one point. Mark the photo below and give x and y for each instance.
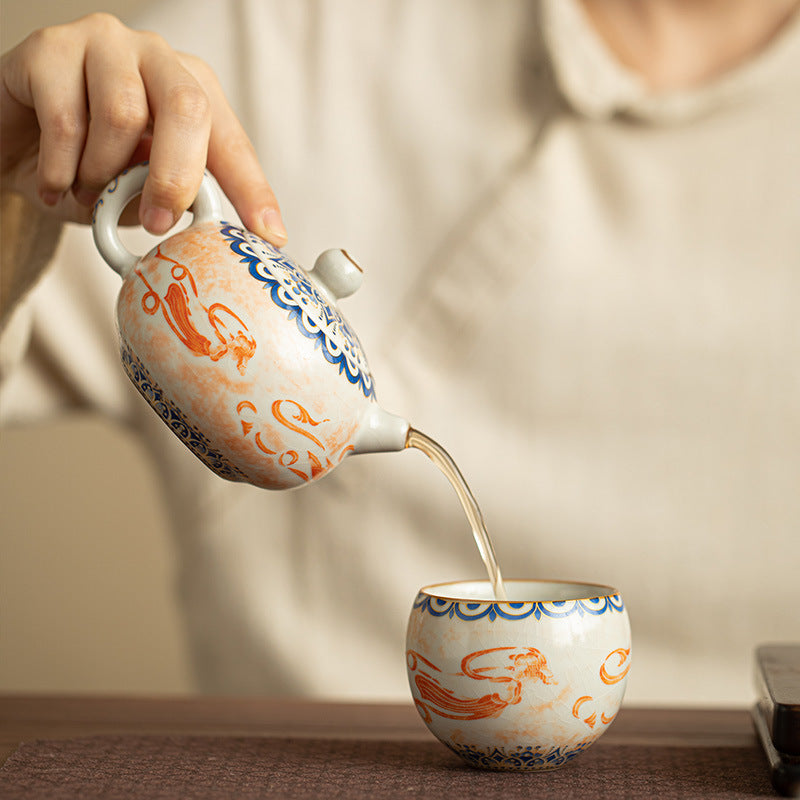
(380, 432)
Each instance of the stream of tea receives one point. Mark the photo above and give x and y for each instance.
(442, 459)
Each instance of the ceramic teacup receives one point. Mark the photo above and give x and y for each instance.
(522, 684)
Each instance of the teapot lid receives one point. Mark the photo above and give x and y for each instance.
(316, 316)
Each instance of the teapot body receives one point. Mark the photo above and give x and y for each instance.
(246, 357)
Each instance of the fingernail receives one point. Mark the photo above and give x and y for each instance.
(51, 198)
(274, 228)
(158, 220)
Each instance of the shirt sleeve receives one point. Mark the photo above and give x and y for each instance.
(58, 349)
(28, 239)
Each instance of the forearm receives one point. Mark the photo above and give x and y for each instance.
(28, 238)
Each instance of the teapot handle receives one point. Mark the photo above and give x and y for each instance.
(105, 218)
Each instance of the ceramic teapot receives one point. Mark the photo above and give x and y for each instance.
(241, 352)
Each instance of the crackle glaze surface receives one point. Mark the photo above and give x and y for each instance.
(232, 344)
(518, 685)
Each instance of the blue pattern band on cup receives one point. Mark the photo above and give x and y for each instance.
(440, 607)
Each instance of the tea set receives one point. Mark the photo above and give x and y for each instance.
(248, 360)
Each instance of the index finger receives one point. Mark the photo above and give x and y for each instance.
(181, 113)
(233, 161)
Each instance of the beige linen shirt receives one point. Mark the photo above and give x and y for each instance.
(587, 293)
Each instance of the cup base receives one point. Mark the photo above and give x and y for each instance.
(523, 758)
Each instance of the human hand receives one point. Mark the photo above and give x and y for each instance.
(81, 102)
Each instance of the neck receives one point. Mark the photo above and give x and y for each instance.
(677, 44)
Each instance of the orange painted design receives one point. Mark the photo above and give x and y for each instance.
(302, 416)
(240, 345)
(181, 324)
(610, 673)
(184, 312)
(316, 464)
(525, 664)
(151, 302)
(349, 449)
(292, 456)
(413, 658)
(576, 708)
(289, 458)
(617, 673)
(248, 426)
(446, 704)
(259, 444)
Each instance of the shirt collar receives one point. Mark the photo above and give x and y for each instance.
(597, 85)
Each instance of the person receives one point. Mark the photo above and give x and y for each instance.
(580, 226)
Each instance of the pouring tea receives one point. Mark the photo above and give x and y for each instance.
(246, 356)
(243, 354)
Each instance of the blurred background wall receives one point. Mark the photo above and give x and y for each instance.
(88, 606)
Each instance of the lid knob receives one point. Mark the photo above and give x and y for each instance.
(337, 272)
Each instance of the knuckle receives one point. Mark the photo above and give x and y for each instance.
(199, 68)
(168, 191)
(51, 40)
(38, 39)
(127, 111)
(57, 38)
(102, 22)
(153, 40)
(188, 102)
(65, 127)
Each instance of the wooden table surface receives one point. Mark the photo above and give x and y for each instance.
(29, 717)
(214, 748)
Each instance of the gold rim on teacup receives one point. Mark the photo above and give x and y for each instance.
(594, 591)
